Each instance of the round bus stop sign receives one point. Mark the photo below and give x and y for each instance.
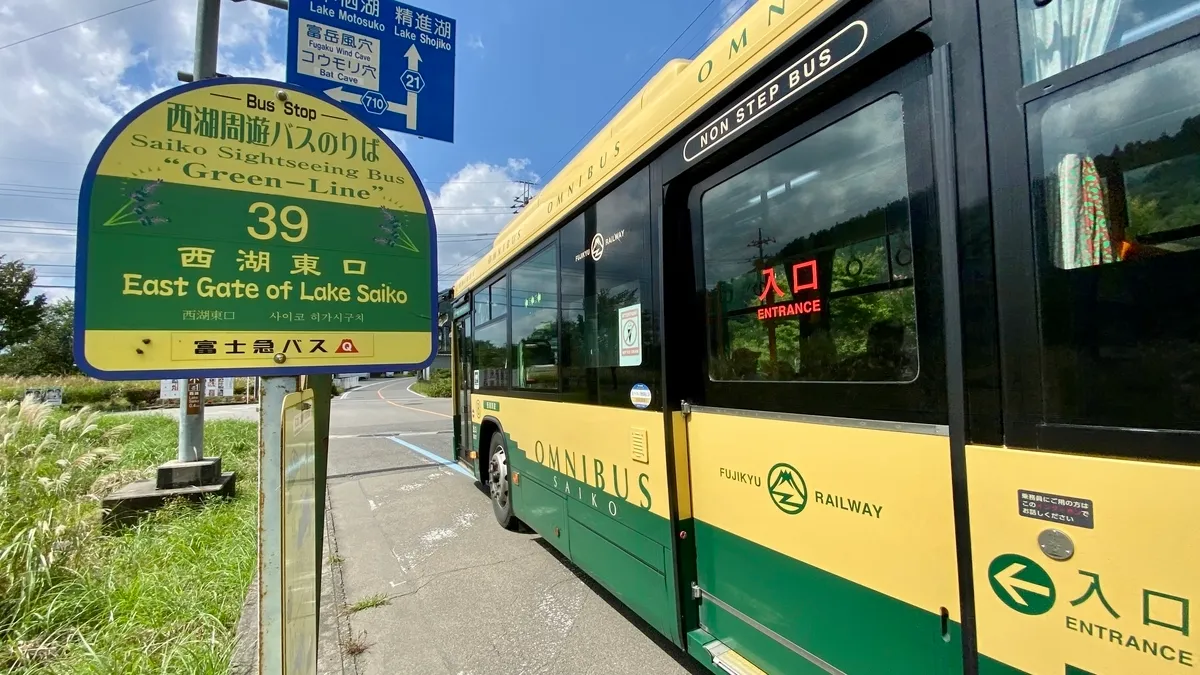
(239, 226)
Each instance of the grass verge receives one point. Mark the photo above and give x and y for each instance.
(79, 391)
(377, 600)
(159, 597)
(439, 384)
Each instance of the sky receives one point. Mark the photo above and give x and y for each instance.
(534, 80)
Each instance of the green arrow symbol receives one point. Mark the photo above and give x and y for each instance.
(1021, 584)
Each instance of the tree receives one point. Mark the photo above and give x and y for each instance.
(51, 351)
(19, 315)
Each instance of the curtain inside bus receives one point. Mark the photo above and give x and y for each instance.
(1061, 34)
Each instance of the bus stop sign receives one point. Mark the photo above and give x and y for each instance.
(245, 227)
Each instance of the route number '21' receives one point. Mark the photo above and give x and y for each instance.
(293, 218)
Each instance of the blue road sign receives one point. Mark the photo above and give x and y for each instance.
(394, 60)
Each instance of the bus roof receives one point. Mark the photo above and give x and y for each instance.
(681, 89)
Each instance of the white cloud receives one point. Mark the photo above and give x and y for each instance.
(65, 90)
(730, 11)
(470, 208)
(475, 42)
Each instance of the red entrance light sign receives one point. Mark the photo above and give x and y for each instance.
(804, 278)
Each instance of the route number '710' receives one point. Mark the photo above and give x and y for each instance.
(291, 217)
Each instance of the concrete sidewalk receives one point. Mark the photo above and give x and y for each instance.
(465, 596)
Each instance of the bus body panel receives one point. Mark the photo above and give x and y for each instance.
(1119, 599)
(839, 539)
(592, 480)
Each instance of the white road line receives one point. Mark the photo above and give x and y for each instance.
(449, 464)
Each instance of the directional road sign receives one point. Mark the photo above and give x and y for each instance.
(245, 227)
(1021, 584)
(392, 61)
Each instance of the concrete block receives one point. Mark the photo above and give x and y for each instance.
(136, 499)
(175, 474)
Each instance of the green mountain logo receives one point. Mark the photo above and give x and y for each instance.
(787, 488)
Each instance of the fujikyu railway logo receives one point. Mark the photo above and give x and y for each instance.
(597, 250)
(787, 488)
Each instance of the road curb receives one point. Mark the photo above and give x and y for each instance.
(333, 631)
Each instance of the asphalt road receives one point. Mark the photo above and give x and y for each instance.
(464, 596)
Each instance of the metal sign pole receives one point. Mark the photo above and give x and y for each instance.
(191, 408)
(270, 521)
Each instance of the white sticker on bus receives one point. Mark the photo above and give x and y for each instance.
(640, 396)
(629, 324)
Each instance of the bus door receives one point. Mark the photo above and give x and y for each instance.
(816, 431)
(1084, 544)
(462, 350)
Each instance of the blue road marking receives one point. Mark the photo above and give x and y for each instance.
(432, 457)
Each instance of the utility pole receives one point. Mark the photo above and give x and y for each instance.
(526, 194)
(191, 402)
(760, 242)
(760, 263)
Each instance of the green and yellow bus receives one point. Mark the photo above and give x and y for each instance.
(868, 341)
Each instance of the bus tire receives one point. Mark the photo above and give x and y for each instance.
(500, 482)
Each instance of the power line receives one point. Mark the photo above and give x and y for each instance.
(463, 265)
(424, 182)
(33, 233)
(77, 23)
(636, 82)
(40, 231)
(38, 192)
(8, 186)
(44, 161)
(39, 196)
(733, 16)
(46, 222)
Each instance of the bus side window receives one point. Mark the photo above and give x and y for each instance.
(826, 292)
(1116, 184)
(535, 321)
(491, 338)
(607, 273)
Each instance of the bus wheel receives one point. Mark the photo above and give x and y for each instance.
(500, 482)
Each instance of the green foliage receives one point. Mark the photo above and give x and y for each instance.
(369, 602)
(79, 391)
(439, 384)
(50, 350)
(162, 596)
(19, 315)
(1164, 196)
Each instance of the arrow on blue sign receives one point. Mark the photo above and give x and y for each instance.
(375, 103)
(351, 52)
